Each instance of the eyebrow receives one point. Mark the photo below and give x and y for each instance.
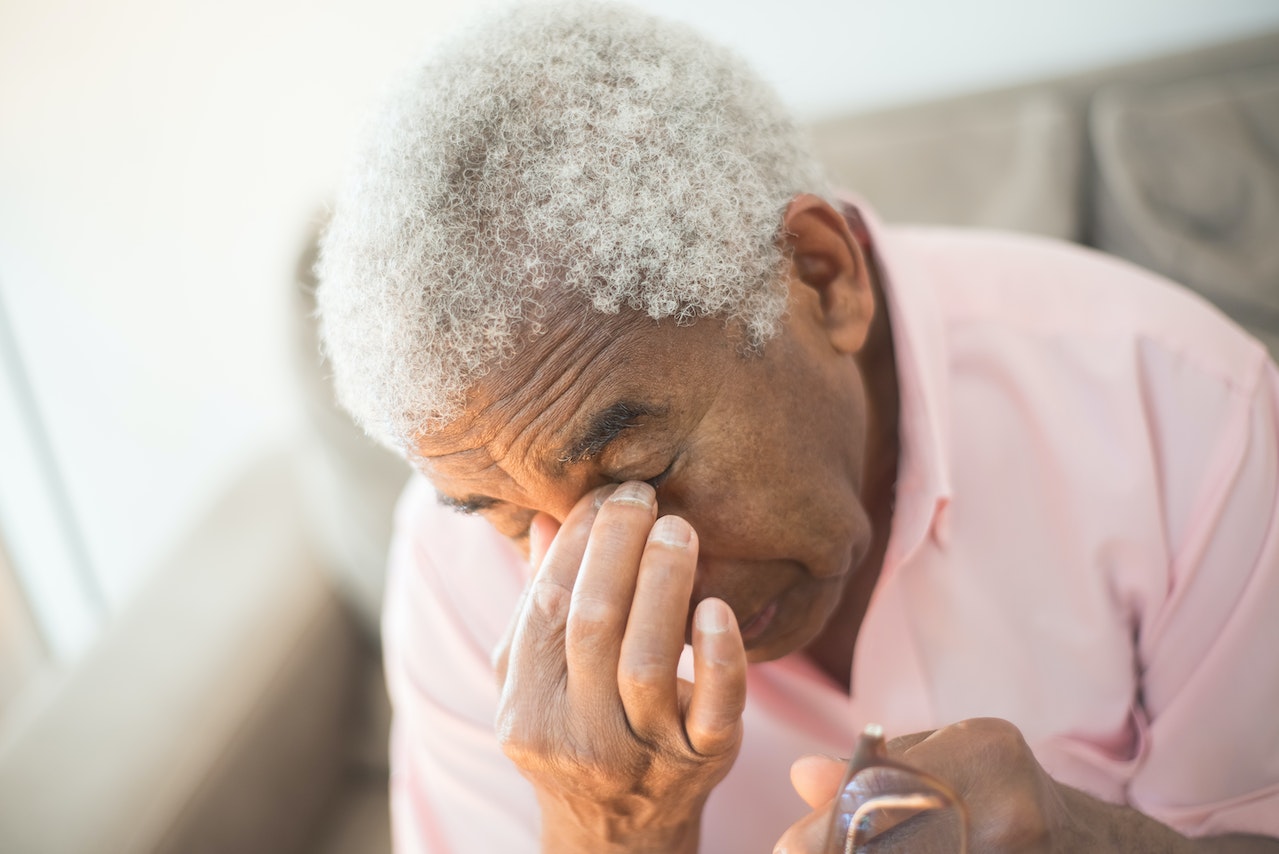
(606, 426)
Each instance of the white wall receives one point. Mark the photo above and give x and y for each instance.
(832, 55)
(159, 161)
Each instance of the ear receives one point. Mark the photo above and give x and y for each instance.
(829, 261)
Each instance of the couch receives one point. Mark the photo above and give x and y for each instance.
(237, 705)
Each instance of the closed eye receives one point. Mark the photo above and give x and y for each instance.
(657, 481)
(467, 506)
(482, 504)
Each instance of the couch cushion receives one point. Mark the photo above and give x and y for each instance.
(214, 714)
(1005, 161)
(359, 821)
(1188, 185)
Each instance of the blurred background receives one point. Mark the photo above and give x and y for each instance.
(163, 167)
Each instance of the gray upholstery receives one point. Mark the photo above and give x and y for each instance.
(1188, 185)
(1011, 161)
(210, 718)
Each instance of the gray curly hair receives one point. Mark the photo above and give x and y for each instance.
(579, 149)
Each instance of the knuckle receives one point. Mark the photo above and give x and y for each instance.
(522, 743)
(550, 601)
(1004, 738)
(712, 738)
(591, 620)
(998, 736)
(589, 758)
(729, 661)
(521, 755)
(645, 673)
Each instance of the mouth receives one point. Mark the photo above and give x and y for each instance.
(753, 627)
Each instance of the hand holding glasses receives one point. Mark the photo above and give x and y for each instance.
(884, 806)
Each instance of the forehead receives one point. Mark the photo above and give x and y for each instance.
(528, 417)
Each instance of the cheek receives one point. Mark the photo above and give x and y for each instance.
(766, 509)
(738, 508)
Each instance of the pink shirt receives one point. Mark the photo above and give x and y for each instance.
(1085, 544)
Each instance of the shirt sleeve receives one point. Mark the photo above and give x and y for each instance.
(452, 584)
(1208, 645)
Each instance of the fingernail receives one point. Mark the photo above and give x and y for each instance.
(633, 492)
(603, 494)
(712, 617)
(673, 531)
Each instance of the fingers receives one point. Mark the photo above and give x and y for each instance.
(816, 778)
(654, 639)
(604, 619)
(541, 532)
(971, 751)
(592, 710)
(536, 649)
(713, 721)
(602, 597)
(897, 746)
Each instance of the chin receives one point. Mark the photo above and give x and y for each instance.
(771, 649)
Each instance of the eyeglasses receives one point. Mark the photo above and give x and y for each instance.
(885, 806)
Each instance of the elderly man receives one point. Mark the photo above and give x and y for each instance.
(1010, 499)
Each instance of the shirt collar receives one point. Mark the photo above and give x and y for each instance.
(923, 471)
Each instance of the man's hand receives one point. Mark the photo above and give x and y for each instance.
(1013, 805)
(621, 752)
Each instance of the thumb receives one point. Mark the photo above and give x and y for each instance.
(816, 778)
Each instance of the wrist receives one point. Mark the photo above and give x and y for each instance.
(1095, 825)
(642, 830)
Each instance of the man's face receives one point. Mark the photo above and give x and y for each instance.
(762, 455)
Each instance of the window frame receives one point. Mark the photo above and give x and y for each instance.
(46, 555)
